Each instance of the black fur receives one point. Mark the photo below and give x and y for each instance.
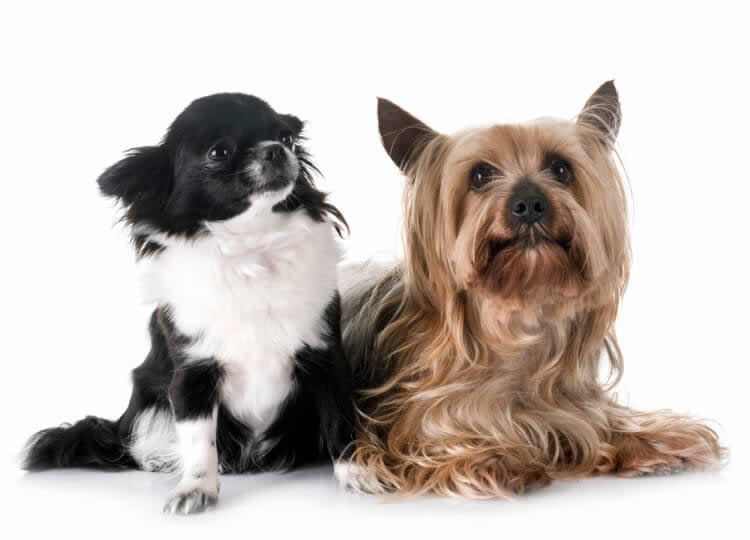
(194, 388)
(173, 189)
(92, 442)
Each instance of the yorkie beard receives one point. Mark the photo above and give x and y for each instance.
(552, 268)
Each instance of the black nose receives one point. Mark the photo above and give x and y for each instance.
(527, 203)
(274, 153)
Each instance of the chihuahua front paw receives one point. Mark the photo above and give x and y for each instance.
(355, 478)
(191, 499)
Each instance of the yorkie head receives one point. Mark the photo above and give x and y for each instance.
(529, 218)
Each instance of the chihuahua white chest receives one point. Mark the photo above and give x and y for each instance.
(249, 297)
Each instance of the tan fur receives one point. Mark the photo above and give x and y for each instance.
(493, 363)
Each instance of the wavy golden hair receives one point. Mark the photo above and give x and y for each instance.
(479, 354)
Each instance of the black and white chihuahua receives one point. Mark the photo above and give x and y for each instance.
(246, 370)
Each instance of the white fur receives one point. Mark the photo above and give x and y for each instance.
(154, 441)
(197, 447)
(199, 485)
(252, 292)
(355, 478)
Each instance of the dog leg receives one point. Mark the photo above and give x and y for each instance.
(659, 443)
(194, 393)
(470, 472)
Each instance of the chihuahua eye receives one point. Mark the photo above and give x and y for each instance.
(482, 174)
(560, 169)
(220, 152)
(288, 140)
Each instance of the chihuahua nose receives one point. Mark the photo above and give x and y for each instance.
(274, 153)
(527, 203)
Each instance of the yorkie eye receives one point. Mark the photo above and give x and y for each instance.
(288, 140)
(483, 174)
(220, 152)
(561, 170)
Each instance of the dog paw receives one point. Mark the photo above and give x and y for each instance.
(191, 500)
(665, 466)
(663, 469)
(355, 478)
(158, 464)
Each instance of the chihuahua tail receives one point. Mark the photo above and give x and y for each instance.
(89, 443)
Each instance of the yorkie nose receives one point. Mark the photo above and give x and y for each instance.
(527, 203)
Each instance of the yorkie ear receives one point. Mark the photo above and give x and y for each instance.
(602, 113)
(403, 135)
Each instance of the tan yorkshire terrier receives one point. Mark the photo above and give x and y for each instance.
(478, 355)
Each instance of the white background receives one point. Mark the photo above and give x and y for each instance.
(82, 84)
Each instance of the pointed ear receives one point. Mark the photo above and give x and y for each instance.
(403, 136)
(602, 113)
(144, 175)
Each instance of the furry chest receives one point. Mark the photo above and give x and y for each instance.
(250, 308)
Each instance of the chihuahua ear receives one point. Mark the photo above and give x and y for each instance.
(292, 122)
(144, 176)
(403, 136)
(602, 113)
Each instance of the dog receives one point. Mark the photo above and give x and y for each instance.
(477, 357)
(238, 253)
